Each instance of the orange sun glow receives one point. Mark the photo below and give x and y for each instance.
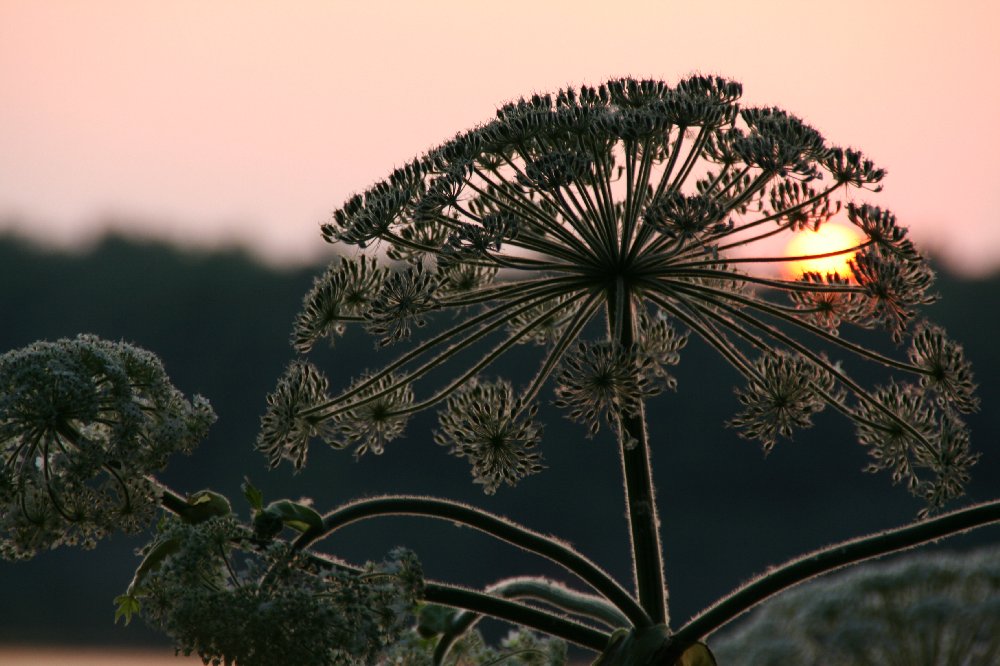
(831, 237)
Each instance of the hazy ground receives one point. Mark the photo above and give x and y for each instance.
(41, 656)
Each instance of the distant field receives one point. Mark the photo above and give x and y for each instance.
(42, 656)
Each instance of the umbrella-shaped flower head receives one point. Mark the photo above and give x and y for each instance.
(608, 225)
(83, 423)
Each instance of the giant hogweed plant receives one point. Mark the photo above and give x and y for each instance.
(602, 226)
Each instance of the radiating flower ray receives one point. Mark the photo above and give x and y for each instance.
(332, 407)
(642, 200)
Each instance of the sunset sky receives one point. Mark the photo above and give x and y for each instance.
(246, 122)
(249, 121)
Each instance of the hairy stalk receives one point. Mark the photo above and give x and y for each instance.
(518, 613)
(834, 557)
(496, 526)
(644, 525)
(481, 603)
(561, 597)
(537, 589)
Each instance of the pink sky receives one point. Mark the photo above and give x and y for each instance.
(249, 121)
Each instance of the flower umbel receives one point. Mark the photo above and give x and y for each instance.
(340, 295)
(606, 379)
(401, 303)
(285, 431)
(483, 422)
(783, 395)
(227, 601)
(608, 224)
(908, 437)
(947, 373)
(83, 423)
(377, 416)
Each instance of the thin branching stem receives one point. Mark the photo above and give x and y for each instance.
(501, 316)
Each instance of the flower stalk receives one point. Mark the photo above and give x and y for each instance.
(496, 526)
(640, 498)
(831, 558)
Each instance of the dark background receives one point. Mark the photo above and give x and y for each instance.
(221, 324)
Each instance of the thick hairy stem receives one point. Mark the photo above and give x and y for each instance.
(561, 597)
(833, 557)
(512, 611)
(501, 528)
(539, 589)
(170, 500)
(643, 521)
(644, 525)
(481, 603)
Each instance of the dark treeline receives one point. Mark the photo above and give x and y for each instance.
(221, 324)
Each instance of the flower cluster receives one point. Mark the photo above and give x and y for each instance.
(483, 422)
(83, 423)
(377, 415)
(285, 427)
(604, 378)
(786, 391)
(597, 223)
(341, 294)
(222, 597)
(907, 436)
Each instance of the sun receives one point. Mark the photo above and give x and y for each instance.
(831, 237)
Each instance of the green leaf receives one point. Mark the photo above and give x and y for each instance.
(253, 494)
(297, 515)
(205, 504)
(128, 605)
(154, 558)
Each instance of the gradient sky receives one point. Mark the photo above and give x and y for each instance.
(249, 121)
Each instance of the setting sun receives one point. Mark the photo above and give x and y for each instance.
(829, 238)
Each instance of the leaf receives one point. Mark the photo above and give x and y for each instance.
(203, 505)
(297, 515)
(254, 496)
(154, 558)
(128, 605)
